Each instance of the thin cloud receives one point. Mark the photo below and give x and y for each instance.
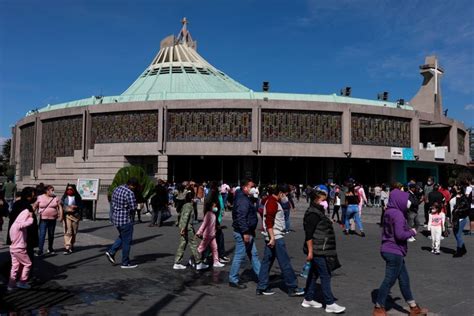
(469, 107)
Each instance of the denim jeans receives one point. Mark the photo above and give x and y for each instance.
(286, 212)
(46, 225)
(319, 269)
(353, 211)
(395, 269)
(279, 252)
(458, 234)
(124, 240)
(343, 213)
(241, 251)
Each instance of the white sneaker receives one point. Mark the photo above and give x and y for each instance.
(334, 308)
(201, 266)
(23, 285)
(191, 263)
(218, 265)
(178, 266)
(313, 304)
(442, 238)
(411, 239)
(429, 237)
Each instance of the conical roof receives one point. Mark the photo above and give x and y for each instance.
(178, 68)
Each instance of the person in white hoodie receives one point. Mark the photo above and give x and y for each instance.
(20, 260)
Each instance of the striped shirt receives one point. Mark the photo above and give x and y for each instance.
(123, 204)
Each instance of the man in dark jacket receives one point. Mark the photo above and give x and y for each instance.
(244, 216)
(412, 215)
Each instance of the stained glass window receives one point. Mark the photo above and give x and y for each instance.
(209, 125)
(377, 130)
(124, 127)
(60, 137)
(301, 126)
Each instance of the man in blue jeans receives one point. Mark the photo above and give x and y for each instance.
(244, 216)
(274, 227)
(123, 205)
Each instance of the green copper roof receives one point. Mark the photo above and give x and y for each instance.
(178, 72)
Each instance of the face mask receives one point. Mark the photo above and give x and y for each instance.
(284, 199)
(70, 192)
(433, 210)
(214, 209)
(430, 183)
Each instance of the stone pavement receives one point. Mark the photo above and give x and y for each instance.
(86, 283)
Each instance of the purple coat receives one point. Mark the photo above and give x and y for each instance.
(395, 228)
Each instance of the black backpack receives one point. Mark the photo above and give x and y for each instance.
(462, 207)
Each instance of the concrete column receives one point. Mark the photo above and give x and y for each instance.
(159, 126)
(162, 172)
(453, 140)
(346, 131)
(255, 127)
(37, 150)
(86, 133)
(415, 134)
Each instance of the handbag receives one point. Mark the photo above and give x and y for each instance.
(333, 263)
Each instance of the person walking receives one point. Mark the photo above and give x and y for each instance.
(428, 188)
(207, 230)
(187, 236)
(26, 201)
(336, 207)
(50, 210)
(320, 250)
(436, 227)
(21, 263)
(123, 205)
(275, 248)
(10, 192)
(393, 250)
(352, 201)
(412, 215)
(72, 205)
(462, 209)
(159, 204)
(245, 220)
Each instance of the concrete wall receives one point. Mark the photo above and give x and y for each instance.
(104, 160)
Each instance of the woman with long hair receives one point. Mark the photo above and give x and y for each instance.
(352, 202)
(72, 205)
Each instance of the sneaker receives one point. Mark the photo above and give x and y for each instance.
(432, 251)
(265, 292)
(191, 263)
(429, 237)
(129, 266)
(38, 254)
(362, 234)
(437, 252)
(346, 232)
(417, 310)
(442, 237)
(110, 257)
(313, 304)
(218, 265)
(238, 285)
(411, 239)
(51, 252)
(23, 285)
(178, 266)
(296, 292)
(334, 308)
(201, 266)
(379, 311)
(10, 289)
(224, 259)
(67, 252)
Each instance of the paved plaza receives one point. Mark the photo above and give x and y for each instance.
(86, 283)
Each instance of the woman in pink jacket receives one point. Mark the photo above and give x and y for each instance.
(21, 263)
(208, 230)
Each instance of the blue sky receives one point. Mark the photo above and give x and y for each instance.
(57, 51)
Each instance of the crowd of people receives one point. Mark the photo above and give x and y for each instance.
(34, 212)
